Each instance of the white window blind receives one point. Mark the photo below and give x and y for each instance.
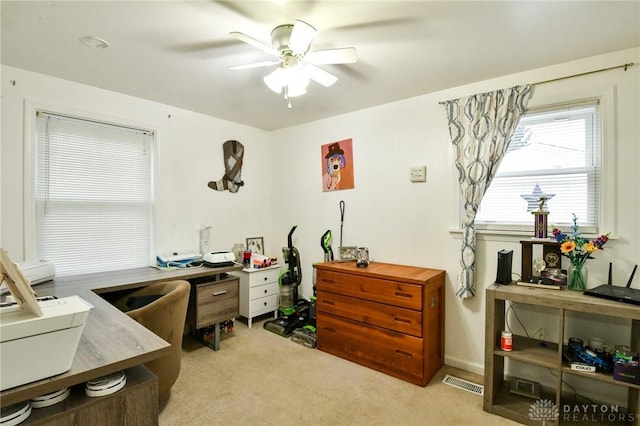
(94, 197)
(554, 152)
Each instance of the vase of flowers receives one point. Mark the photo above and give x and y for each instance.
(578, 249)
(577, 276)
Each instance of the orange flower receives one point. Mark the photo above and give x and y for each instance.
(567, 247)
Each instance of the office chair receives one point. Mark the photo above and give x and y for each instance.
(162, 308)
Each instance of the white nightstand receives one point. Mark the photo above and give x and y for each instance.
(258, 292)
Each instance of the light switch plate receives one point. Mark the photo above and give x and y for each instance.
(418, 174)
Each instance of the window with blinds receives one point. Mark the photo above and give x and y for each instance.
(94, 195)
(555, 152)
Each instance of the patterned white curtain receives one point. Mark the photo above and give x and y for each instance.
(481, 127)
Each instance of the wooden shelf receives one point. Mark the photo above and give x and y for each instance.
(532, 351)
(497, 397)
(139, 395)
(516, 407)
(602, 377)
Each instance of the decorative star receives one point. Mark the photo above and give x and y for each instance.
(533, 198)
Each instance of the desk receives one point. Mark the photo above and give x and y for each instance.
(111, 341)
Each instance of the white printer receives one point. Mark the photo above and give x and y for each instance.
(36, 347)
(38, 339)
(37, 271)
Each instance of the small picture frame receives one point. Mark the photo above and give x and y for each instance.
(363, 257)
(557, 276)
(348, 253)
(255, 245)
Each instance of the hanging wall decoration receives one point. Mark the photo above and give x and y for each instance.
(233, 152)
(337, 166)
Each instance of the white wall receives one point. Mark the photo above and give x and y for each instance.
(189, 152)
(410, 223)
(400, 221)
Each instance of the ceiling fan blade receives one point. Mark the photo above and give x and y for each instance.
(253, 42)
(344, 55)
(255, 65)
(301, 37)
(320, 76)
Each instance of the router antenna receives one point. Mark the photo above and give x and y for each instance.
(610, 279)
(631, 277)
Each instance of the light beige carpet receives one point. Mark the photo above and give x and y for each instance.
(260, 378)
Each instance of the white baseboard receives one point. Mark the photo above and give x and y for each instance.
(464, 364)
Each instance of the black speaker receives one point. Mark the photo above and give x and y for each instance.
(505, 258)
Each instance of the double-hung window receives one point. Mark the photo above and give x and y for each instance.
(554, 153)
(93, 195)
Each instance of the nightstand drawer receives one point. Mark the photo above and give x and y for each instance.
(264, 304)
(263, 291)
(263, 277)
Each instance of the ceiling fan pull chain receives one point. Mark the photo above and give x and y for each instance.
(286, 96)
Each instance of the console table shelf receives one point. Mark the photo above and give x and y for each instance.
(497, 396)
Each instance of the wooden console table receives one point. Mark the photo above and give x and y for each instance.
(110, 342)
(497, 396)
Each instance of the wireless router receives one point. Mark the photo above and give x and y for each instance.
(617, 293)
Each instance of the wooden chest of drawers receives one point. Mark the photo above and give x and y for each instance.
(386, 317)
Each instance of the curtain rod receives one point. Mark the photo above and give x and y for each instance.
(625, 66)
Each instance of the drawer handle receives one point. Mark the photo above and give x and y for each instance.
(265, 292)
(404, 320)
(265, 278)
(405, 295)
(265, 303)
(328, 302)
(328, 281)
(329, 329)
(404, 354)
(218, 293)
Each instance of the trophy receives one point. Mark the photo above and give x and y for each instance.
(540, 224)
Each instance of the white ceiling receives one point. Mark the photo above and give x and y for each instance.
(178, 53)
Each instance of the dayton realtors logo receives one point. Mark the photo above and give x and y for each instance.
(545, 410)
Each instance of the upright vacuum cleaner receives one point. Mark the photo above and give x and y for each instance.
(306, 335)
(293, 312)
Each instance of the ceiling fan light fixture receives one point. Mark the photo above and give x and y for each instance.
(294, 79)
(276, 80)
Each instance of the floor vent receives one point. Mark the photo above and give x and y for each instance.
(459, 383)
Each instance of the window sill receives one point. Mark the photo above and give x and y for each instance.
(508, 236)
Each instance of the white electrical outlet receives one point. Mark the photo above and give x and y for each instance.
(418, 174)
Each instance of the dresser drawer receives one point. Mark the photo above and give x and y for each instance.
(263, 277)
(215, 302)
(263, 290)
(389, 317)
(264, 305)
(394, 353)
(378, 290)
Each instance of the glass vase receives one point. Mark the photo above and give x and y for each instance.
(577, 279)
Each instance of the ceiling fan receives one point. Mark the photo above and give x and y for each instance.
(290, 44)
